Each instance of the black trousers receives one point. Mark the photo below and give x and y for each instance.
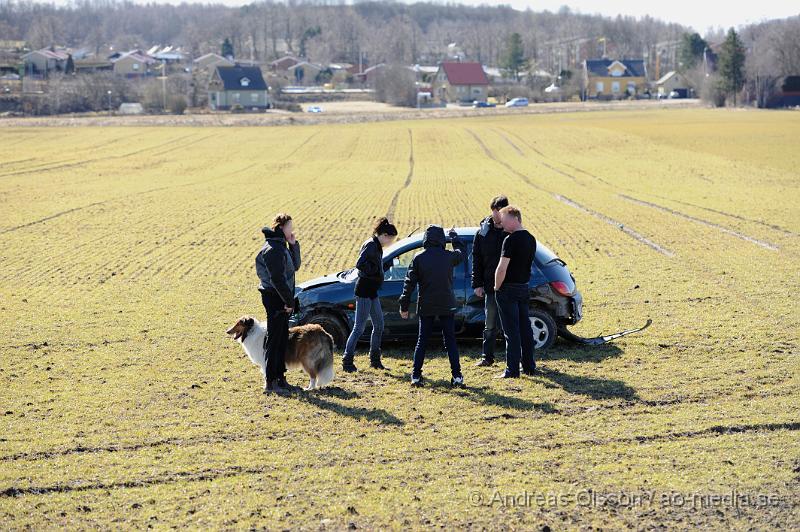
(277, 338)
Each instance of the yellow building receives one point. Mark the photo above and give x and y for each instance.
(609, 79)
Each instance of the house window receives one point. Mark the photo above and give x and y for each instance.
(615, 87)
(476, 90)
(616, 72)
(600, 87)
(245, 82)
(236, 97)
(254, 97)
(136, 66)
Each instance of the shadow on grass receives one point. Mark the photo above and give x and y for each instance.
(470, 349)
(589, 386)
(482, 395)
(318, 399)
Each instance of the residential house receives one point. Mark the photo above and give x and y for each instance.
(92, 64)
(44, 61)
(211, 61)
(614, 79)
(133, 64)
(789, 94)
(370, 75)
(673, 81)
(460, 82)
(238, 85)
(304, 73)
(284, 63)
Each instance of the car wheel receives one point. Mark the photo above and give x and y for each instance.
(544, 328)
(332, 326)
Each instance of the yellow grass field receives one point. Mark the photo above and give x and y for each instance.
(125, 253)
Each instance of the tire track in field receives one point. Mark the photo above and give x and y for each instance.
(736, 216)
(300, 146)
(765, 244)
(73, 164)
(115, 198)
(172, 256)
(156, 480)
(574, 204)
(100, 269)
(393, 204)
(546, 165)
(119, 198)
(762, 243)
(569, 238)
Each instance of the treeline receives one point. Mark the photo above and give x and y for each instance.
(378, 32)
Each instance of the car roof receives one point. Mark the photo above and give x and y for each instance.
(466, 233)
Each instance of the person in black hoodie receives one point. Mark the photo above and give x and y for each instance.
(432, 271)
(276, 264)
(368, 305)
(485, 257)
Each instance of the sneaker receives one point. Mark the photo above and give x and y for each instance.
(457, 382)
(416, 380)
(506, 375)
(485, 362)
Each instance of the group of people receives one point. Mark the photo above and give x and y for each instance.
(502, 255)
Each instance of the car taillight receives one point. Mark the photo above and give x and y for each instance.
(561, 287)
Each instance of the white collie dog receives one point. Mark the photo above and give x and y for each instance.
(309, 348)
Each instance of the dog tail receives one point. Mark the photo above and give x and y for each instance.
(325, 375)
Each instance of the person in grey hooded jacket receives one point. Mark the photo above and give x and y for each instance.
(432, 272)
(276, 264)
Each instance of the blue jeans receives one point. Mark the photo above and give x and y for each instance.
(365, 308)
(512, 304)
(448, 333)
(490, 328)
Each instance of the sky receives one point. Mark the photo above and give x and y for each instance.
(699, 15)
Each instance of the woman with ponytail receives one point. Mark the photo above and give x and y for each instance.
(370, 279)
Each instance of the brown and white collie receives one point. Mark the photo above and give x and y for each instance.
(309, 348)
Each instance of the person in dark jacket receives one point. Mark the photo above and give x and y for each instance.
(485, 257)
(432, 271)
(368, 305)
(276, 264)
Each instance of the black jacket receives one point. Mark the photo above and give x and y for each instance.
(276, 264)
(370, 268)
(486, 254)
(432, 271)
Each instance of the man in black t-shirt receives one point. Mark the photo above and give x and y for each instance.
(513, 294)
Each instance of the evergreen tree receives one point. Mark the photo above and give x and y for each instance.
(514, 59)
(227, 48)
(691, 50)
(731, 64)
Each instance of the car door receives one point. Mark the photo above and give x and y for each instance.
(390, 292)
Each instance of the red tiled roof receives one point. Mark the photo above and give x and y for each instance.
(465, 73)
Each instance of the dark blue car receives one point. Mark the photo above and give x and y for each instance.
(329, 301)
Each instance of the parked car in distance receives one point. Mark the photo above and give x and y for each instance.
(517, 102)
(482, 105)
(314, 109)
